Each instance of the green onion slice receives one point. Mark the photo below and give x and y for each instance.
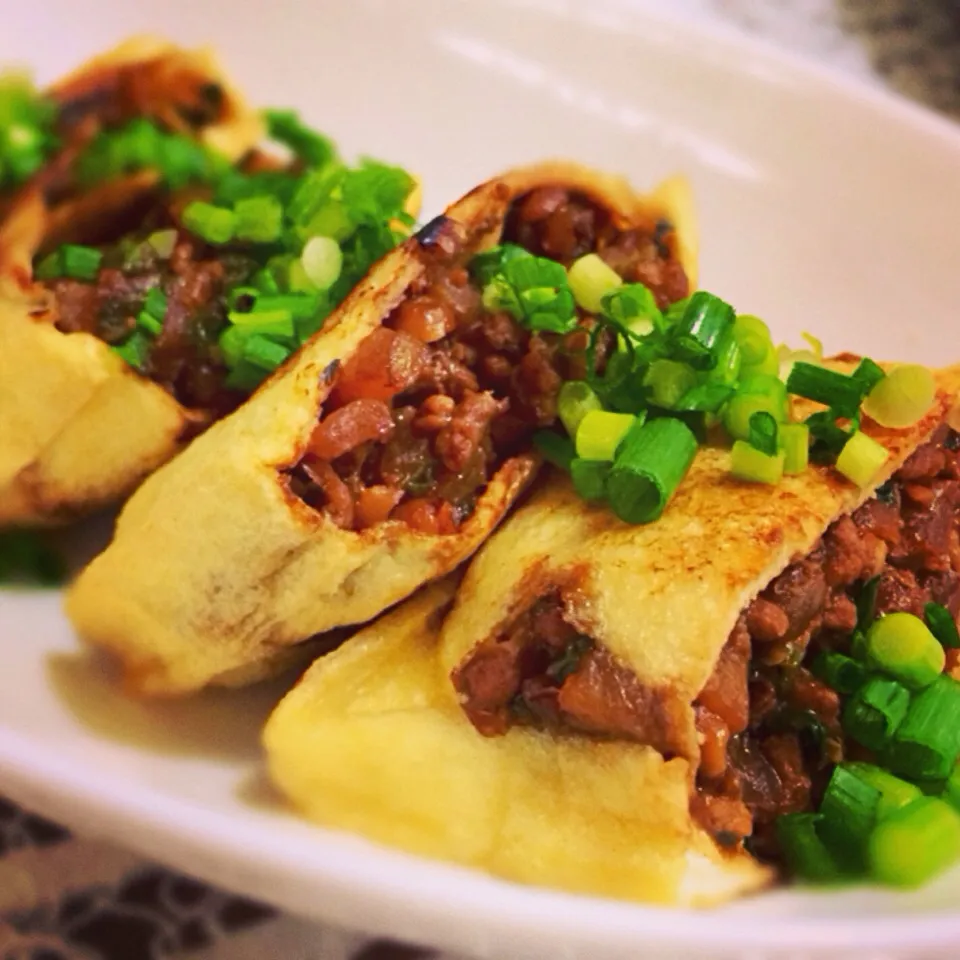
(902, 645)
(600, 432)
(840, 672)
(652, 460)
(894, 792)
(750, 464)
(700, 332)
(915, 843)
(763, 433)
(590, 478)
(902, 397)
(861, 459)
(927, 744)
(590, 279)
(575, 401)
(555, 449)
(942, 625)
(794, 440)
(873, 714)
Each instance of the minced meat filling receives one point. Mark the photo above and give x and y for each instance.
(769, 729)
(777, 760)
(434, 401)
(184, 358)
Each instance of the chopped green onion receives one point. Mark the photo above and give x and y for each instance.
(669, 381)
(156, 303)
(300, 306)
(285, 127)
(729, 359)
(575, 401)
(488, 263)
(590, 278)
(555, 449)
(758, 393)
(873, 714)
(794, 439)
(49, 268)
(261, 352)
(705, 397)
(210, 223)
(840, 392)
(942, 625)
(927, 744)
(322, 261)
(849, 814)
(915, 843)
(134, 350)
(267, 323)
(149, 324)
(901, 645)
(79, 262)
(902, 397)
(599, 433)
(763, 433)
(894, 792)
(758, 354)
(951, 788)
(633, 306)
(805, 854)
(839, 672)
(265, 281)
(259, 219)
(698, 335)
(869, 374)
(163, 243)
(299, 281)
(828, 436)
(232, 342)
(861, 458)
(652, 460)
(867, 604)
(535, 292)
(590, 477)
(748, 463)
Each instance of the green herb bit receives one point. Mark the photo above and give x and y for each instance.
(652, 460)
(764, 433)
(873, 714)
(668, 382)
(805, 853)
(535, 292)
(750, 464)
(927, 744)
(915, 843)
(486, 265)
(758, 354)
(840, 392)
(840, 672)
(286, 127)
(590, 478)
(634, 308)
(902, 397)
(258, 219)
(869, 374)
(575, 401)
(829, 438)
(213, 224)
(135, 350)
(942, 624)
(264, 353)
(699, 333)
(555, 449)
(600, 432)
(794, 441)
(901, 645)
(861, 459)
(322, 261)
(758, 393)
(590, 280)
(894, 792)
(80, 262)
(705, 398)
(25, 557)
(849, 814)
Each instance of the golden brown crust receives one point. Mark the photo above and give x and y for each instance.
(215, 564)
(663, 598)
(371, 740)
(81, 428)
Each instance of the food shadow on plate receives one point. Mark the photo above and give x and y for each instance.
(221, 724)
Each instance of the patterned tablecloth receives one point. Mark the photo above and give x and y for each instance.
(65, 898)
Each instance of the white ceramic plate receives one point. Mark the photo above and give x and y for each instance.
(825, 205)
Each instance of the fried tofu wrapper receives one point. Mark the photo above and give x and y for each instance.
(694, 634)
(81, 427)
(379, 457)
(372, 741)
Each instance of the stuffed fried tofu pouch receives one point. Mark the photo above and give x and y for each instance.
(695, 634)
(373, 741)
(80, 425)
(148, 305)
(380, 456)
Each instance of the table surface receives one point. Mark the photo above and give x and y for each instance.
(66, 898)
